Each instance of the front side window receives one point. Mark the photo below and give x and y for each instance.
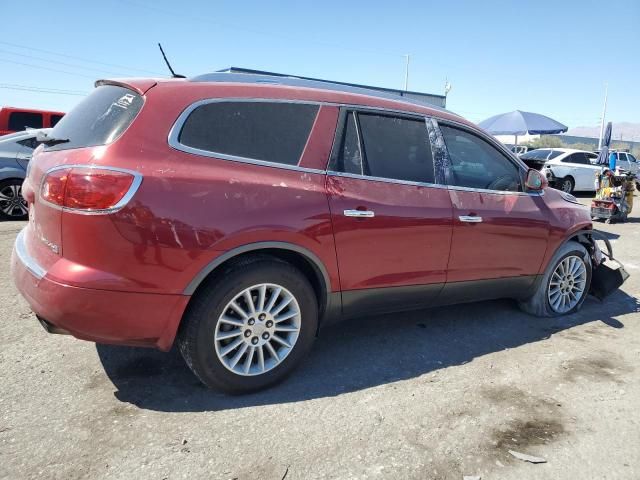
(268, 131)
(397, 148)
(20, 120)
(477, 164)
(631, 158)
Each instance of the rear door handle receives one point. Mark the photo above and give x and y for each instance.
(359, 213)
(470, 219)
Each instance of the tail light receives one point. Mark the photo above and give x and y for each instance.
(89, 189)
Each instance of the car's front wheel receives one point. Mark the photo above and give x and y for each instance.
(12, 205)
(251, 326)
(564, 286)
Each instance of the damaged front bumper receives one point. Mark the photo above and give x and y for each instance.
(605, 279)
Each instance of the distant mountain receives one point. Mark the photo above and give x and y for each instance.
(621, 130)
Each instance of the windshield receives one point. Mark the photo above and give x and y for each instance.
(541, 154)
(98, 119)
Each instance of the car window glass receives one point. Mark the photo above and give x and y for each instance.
(21, 120)
(100, 118)
(269, 131)
(30, 143)
(55, 119)
(396, 148)
(622, 157)
(477, 164)
(631, 158)
(351, 157)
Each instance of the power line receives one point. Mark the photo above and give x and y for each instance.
(61, 63)
(28, 88)
(80, 58)
(47, 68)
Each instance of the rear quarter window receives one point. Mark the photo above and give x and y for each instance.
(98, 119)
(274, 132)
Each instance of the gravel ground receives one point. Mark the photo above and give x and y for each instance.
(435, 394)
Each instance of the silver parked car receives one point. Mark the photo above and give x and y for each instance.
(15, 152)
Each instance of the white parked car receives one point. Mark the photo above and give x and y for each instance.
(566, 169)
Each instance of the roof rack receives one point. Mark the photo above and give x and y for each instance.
(307, 83)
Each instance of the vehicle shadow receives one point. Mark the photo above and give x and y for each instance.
(356, 354)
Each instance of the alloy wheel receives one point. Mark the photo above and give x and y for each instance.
(566, 186)
(11, 202)
(258, 329)
(567, 284)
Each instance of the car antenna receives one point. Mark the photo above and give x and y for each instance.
(173, 74)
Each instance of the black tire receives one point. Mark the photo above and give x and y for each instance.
(196, 338)
(567, 185)
(538, 304)
(9, 209)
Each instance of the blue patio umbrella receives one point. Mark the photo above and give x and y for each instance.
(520, 123)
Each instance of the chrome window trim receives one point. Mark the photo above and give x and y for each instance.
(174, 133)
(137, 181)
(27, 260)
(385, 180)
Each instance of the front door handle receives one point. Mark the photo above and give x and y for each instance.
(470, 219)
(359, 213)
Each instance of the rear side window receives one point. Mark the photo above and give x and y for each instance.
(55, 119)
(268, 131)
(98, 119)
(21, 120)
(396, 148)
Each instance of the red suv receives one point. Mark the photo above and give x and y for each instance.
(236, 214)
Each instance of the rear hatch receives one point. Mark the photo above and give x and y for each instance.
(80, 138)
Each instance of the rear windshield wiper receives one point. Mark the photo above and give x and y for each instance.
(49, 141)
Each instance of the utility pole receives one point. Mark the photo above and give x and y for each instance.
(604, 114)
(406, 74)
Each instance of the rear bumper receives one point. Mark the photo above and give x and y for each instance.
(103, 316)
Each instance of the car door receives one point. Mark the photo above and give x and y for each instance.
(582, 171)
(500, 233)
(392, 224)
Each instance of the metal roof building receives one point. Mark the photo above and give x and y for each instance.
(428, 98)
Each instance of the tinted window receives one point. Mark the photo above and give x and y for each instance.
(396, 148)
(350, 160)
(55, 119)
(21, 120)
(270, 131)
(631, 158)
(579, 157)
(622, 157)
(98, 119)
(541, 154)
(477, 164)
(31, 143)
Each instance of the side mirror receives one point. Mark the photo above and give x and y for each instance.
(536, 181)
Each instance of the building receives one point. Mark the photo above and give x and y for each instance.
(429, 98)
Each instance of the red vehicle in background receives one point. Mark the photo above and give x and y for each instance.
(14, 119)
(236, 214)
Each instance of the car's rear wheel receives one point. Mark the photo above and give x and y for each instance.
(250, 327)
(567, 185)
(12, 205)
(564, 286)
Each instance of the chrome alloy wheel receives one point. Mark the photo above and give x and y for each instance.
(11, 201)
(257, 329)
(567, 284)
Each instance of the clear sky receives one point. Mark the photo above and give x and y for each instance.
(550, 57)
